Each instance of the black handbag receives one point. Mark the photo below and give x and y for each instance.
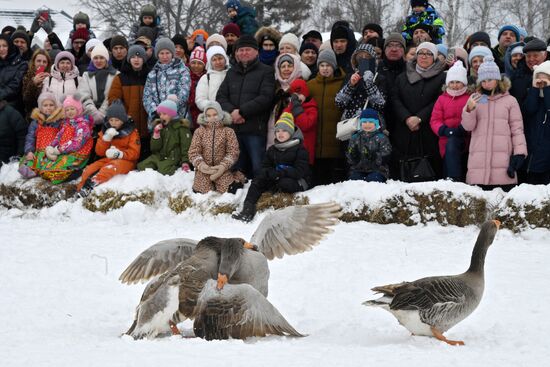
(416, 168)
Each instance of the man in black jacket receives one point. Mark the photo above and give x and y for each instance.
(247, 93)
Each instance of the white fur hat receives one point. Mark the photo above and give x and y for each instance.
(291, 39)
(542, 68)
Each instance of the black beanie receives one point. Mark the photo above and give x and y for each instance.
(375, 27)
(339, 33)
(8, 29)
(21, 34)
(246, 40)
(308, 46)
(119, 41)
(480, 37)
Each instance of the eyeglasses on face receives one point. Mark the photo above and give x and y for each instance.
(425, 54)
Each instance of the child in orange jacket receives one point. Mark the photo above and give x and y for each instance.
(119, 145)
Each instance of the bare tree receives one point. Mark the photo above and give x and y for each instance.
(532, 15)
(452, 12)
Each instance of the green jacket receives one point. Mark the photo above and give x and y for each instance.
(174, 142)
(323, 90)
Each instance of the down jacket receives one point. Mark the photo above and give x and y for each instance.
(497, 134)
(307, 122)
(208, 86)
(94, 101)
(447, 112)
(537, 130)
(12, 71)
(323, 90)
(62, 84)
(164, 80)
(128, 86)
(250, 90)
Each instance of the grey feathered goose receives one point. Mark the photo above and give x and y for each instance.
(187, 271)
(431, 306)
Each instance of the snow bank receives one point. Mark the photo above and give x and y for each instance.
(444, 202)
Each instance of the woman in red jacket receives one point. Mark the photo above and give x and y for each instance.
(304, 109)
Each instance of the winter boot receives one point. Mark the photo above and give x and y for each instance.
(247, 214)
(87, 188)
(235, 185)
(26, 171)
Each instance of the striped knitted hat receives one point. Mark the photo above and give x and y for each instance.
(169, 106)
(286, 123)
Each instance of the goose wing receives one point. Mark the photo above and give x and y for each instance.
(157, 259)
(295, 229)
(238, 311)
(427, 293)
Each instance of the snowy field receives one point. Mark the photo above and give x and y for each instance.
(62, 304)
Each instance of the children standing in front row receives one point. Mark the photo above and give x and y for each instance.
(369, 150)
(46, 122)
(498, 148)
(445, 122)
(214, 149)
(69, 151)
(170, 140)
(118, 145)
(285, 167)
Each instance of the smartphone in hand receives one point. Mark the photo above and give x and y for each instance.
(40, 70)
(45, 15)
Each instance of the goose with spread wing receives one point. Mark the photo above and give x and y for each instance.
(431, 306)
(223, 283)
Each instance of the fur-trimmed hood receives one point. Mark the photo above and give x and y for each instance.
(41, 118)
(271, 32)
(226, 119)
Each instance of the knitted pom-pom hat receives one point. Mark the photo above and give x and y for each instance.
(169, 106)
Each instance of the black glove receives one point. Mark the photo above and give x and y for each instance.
(297, 108)
(35, 26)
(273, 174)
(516, 161)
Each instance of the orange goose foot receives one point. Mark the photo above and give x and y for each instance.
(439, 335)
(174, 328)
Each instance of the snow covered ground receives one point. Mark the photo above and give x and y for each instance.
(62, 304)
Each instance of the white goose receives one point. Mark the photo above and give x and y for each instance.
(431, 306)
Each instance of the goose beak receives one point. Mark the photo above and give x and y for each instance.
(249, 246)
(222, 280)
(497, 223)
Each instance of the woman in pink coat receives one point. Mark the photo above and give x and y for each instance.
(498, 147)
(445, 122)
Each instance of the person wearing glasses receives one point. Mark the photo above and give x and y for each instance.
(413, 98)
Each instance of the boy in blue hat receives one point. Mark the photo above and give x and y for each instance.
(369, 150)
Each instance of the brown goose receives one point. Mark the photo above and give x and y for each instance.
(192, 277)
(431, 306)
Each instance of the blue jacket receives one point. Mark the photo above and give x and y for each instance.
(536, 123)
(163, 80)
